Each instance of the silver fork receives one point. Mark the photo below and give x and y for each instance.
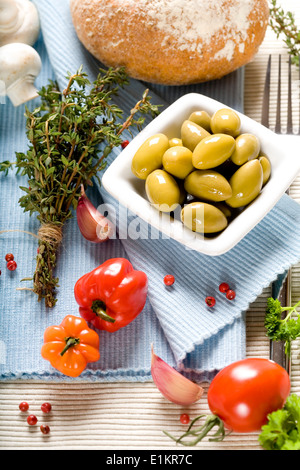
(277, 352)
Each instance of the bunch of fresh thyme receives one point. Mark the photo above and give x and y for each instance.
(70, 135)
(283, 24)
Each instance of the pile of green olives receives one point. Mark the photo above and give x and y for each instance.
(211, 171)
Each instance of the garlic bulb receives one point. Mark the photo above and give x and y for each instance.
(173, 386)
(93, 226)
(19, 22)
(20, 64)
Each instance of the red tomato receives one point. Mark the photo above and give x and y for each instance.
(245, 392)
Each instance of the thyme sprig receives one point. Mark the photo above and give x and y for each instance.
(70, 135)
(284, 24)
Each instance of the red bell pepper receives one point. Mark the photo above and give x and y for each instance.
(112, 295)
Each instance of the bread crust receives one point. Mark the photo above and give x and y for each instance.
(172, 42)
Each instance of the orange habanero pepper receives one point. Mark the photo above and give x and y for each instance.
(70, 346)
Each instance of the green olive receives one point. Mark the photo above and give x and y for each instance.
(208, 184)
(266, 166)
(213, 151)
(202, 118)
(203, 218)
(149, 156)
(192, 134)
(178, 161)
(246, 184)
(225, 209)
(174, 142)
(162, 191)
(226, 121)
(247, 147)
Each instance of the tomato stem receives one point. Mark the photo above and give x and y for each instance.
(210, 422)
(70, 342)
(99, 308)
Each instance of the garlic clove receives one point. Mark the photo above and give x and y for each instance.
(93, 226)
(173, 386)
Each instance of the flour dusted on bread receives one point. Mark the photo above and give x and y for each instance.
(172, 42)
(184, 20)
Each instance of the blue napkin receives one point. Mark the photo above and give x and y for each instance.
(185, 332)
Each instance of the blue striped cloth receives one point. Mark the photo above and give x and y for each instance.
(187, 334)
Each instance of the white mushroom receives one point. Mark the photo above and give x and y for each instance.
(19, 22)
(20, 64)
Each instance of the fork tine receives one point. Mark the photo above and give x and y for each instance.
(278, 108)
(277, 348)
(289, 116)
(266, 96)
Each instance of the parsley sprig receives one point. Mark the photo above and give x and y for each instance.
(282, 432)
(281, 328)
(70, 134)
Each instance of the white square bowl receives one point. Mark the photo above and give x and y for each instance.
(283, 153)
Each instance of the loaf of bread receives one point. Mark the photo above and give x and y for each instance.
(172, 42)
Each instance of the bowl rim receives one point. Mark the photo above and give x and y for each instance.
(113, 179)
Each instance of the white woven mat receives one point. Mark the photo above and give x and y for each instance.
(132, 416)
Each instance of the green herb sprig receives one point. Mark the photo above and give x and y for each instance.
(282, 431)
(70, 135)
(284, 24)
(278, 328)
